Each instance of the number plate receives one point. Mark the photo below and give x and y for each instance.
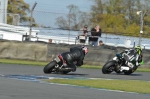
(57, 59)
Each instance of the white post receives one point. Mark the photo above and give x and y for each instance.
(3, 11)
(141, 25)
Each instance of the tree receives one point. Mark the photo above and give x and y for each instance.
(18, 7)
(117, 16)
(75, 19)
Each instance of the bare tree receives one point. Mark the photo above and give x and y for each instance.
(74, 20)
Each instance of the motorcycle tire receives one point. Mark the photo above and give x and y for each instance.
(49, 67)
(108, 67)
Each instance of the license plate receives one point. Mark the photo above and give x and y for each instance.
(57, 59)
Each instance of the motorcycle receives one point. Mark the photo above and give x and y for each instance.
(57, 65)
(118, 65)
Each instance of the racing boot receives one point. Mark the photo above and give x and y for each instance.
(73, 69)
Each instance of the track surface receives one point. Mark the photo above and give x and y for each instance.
(25, 87)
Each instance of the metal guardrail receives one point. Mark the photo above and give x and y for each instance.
(16, 29)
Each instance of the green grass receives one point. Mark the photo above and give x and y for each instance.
(23, 62)
(41, 63)
(122, 85)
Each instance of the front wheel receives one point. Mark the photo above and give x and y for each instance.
(49, 67)
(108, 67)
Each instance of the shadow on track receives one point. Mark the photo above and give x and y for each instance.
(72, 74)
(126, 75)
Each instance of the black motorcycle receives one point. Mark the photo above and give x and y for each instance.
(118, 65)
(57, 65)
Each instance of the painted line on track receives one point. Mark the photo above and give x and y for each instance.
(34, 77)
(41, 79)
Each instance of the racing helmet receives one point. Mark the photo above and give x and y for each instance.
(85, 49)
(138, 49)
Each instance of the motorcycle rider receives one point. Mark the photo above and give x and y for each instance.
(76, 54)
(133, 57)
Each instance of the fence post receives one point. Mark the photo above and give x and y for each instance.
(69, 25)
(31, 21)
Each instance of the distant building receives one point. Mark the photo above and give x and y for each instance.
(3, 11)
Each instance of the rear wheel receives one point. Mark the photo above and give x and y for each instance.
(49, 67)
(108, 67)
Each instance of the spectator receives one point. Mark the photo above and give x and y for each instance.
(83, 34)
(50, 41)
(85, 31)
(100, 43)
(95, 34)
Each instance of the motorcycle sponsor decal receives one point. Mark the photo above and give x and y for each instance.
(131, 58)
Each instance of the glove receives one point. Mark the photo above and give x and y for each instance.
(118, 55)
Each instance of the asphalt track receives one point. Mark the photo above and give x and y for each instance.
(24, 82)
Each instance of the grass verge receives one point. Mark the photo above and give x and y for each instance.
(22, 62)
(122, 85)
(41, 63)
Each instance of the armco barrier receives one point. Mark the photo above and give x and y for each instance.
(46, 52)
(23, 50)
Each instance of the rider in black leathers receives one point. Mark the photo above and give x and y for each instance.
(76, 54)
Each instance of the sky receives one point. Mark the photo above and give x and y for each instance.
(55, 6)
(60, 5)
